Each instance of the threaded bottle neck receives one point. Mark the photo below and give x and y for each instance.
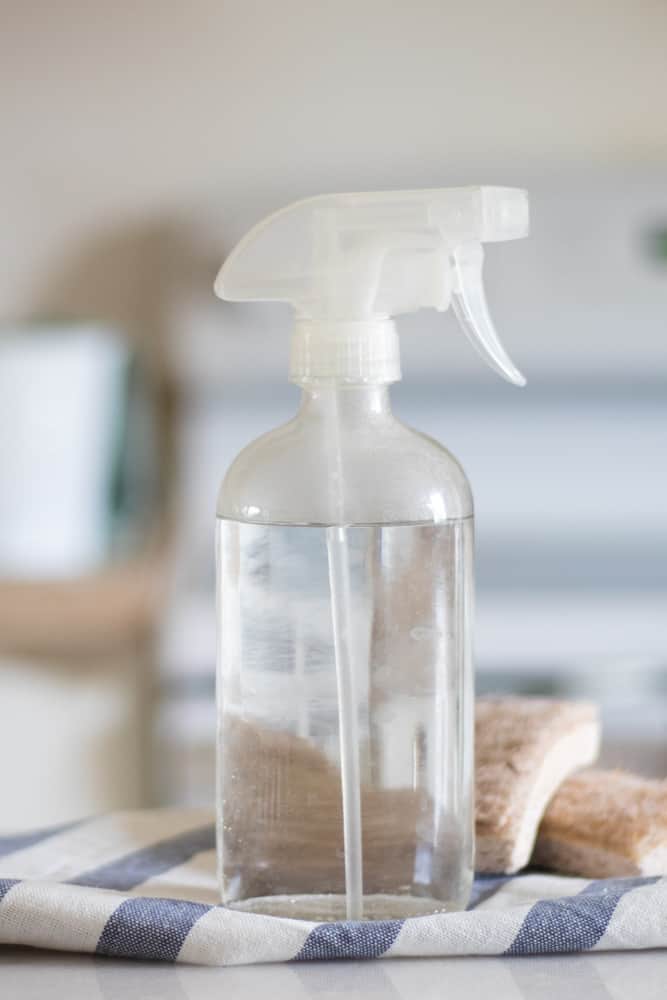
(359, 351)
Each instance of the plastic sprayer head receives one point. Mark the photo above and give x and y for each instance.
(349, 262)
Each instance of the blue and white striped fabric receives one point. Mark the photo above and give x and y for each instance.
(142, 885)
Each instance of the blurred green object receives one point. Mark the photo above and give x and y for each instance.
(657, 242)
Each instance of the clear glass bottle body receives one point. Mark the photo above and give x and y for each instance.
(283, 814)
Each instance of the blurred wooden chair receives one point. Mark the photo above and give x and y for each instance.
(77, 649)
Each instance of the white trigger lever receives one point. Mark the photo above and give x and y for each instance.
(469, 304)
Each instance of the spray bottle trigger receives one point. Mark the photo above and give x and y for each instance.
(469, 303)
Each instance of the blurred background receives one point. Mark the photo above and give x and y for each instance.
(139, 144)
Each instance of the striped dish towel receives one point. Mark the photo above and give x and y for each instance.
(142, 885)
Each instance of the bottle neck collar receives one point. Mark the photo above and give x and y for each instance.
(349, 403)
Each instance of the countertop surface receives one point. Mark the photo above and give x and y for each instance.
(27, 974)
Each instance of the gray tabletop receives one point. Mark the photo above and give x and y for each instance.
(27, 974)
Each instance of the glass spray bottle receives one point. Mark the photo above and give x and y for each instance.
(345, 573)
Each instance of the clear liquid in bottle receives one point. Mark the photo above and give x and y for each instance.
(279, 787)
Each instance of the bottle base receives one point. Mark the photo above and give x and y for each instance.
(331, 907)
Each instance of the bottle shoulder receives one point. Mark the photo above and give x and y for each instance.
(381, 472)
